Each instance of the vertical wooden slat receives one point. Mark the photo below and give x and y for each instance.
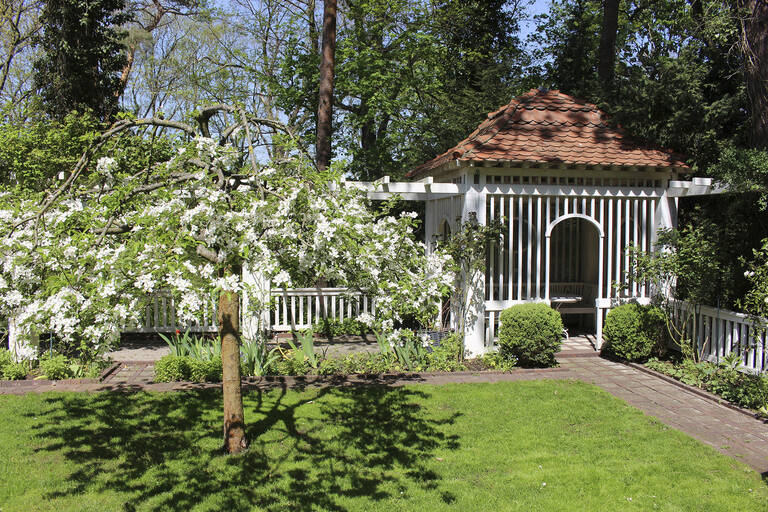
(635, 244)
(519, 248)
(609, 250)
(617, 268)
(530, 251)
(502, 277)
(510, 248)
(539, 236)
(491, 275)
(627, 228)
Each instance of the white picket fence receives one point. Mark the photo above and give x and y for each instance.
(718, 332)
(300, 308)
(297, 308)
(160, 316)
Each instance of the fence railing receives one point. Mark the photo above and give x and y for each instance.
(719, 332)
(160, 316)
(297, 308)
(300, 308)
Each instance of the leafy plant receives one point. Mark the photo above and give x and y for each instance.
(305, 350)
(496, 361)
(632, 332)
(55, 367)
(172, 368)
(257, 360)
(724, 378)
(530, 333)
(446, 356)
(16, 371)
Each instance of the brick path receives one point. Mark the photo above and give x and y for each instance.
(729, 431)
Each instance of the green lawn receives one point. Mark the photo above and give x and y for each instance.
(511, 446)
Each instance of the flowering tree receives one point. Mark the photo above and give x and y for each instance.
(81, 261)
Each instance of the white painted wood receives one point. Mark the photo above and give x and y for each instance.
(530, 251)
(538, 247)
(520, 248)
(611, 243)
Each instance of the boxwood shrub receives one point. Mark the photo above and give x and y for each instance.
(531, 333)
(172, 368)
(632, 331)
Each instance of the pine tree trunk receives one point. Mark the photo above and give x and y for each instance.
(229, 331)
(754, 43)
(325, 93)
(607, 51)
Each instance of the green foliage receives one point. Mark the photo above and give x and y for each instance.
(755, 301)
(15, 371)
(172, 368)
(496, 361)
(255, 359)
(331, 327)
(678, 73)
(723, 378)
(411, 78)
(33, 154)
(531, 333)
(83, 55)
(633, 332)
(201, 370)
(292, 363)
(55, 367)
(447, 355)
(6, 358)
(192, 346)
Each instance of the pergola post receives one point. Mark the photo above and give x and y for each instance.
(475, 329)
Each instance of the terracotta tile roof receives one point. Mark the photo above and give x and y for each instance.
(551, 127)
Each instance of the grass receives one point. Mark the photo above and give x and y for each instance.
(543, 445)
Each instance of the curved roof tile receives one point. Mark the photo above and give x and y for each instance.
(549, 126)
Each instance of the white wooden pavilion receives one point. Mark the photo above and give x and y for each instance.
(573, 194)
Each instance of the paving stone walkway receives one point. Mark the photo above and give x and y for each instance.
(729, 431)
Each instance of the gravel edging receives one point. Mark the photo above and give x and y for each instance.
(696, 391)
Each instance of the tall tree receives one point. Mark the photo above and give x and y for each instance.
(753, 24)
(83, 56)
(325, 89)
(607, 51)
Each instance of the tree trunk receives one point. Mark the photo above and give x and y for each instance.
(325, 96)
(229, 331)
(607, 51)
(753, 16)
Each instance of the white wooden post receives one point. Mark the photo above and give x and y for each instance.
(474, 333)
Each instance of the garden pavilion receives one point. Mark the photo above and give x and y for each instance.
(572, 193)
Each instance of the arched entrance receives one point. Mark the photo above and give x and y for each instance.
(574, 252)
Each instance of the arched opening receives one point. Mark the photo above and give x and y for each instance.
(574, 250)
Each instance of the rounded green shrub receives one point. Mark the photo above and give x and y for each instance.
(632, 331)
(55, 367)
(531, 334)
(205, 371)
(172, 368)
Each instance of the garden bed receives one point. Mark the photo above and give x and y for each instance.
(723, 381)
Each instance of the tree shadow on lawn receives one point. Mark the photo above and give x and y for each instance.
(311, 450)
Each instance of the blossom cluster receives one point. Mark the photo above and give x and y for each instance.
(67, 270)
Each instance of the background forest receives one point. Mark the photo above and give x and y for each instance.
(411, 79)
